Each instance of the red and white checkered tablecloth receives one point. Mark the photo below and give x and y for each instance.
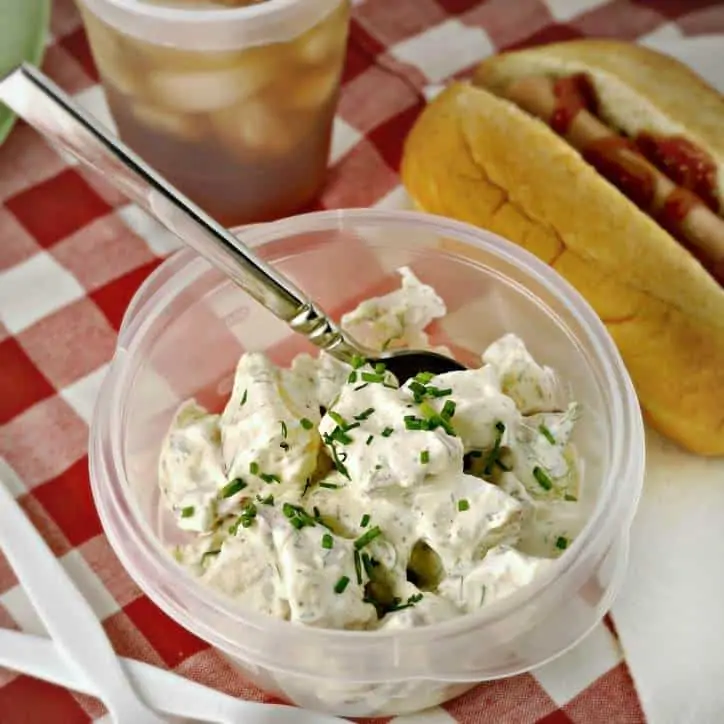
(73, 252)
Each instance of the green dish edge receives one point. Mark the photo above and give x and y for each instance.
(33, 53)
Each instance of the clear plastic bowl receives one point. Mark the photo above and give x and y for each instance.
(182, 336)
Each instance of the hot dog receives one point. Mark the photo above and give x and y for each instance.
(568, 106)
(606, 160)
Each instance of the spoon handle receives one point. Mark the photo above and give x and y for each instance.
(43, 105)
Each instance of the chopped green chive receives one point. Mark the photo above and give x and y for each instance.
(341, 584)
(188, 511)
(327, 541)
(366, 538)
(306, 423)
(289, 510)
(428, 411)
(369, 565)
(338, 419)
(364, 415)
(352, 377)
(254, 468)
(330, 486)
(380, 368)
(431, 422)
(417, 388)
(542, 477)
(358, 567)
(232, 488)
(269, 478)
(339, 462)
(437, 392)
(418, 391)
(495, 452)
(243, 398)
(372, 377)
(369, 439)
(424, 377)
(448, 409)
(425, 457)
(358, 362)
(463, 505)
(365, 520)
(269, 500)
(245, 519)
(413, 423)
(434, 420)
(337, 435)
(284, 428)
(562, 542)
(387, 432)
(547, 434)
(298, 517)
(397, 604)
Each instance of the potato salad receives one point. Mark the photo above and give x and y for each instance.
(333, 496)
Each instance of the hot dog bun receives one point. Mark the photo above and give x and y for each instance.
(479, 158)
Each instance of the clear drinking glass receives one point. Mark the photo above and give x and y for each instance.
(233, 102)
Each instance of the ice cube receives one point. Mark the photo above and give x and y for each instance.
(177, 60)
(326, 40)
(184, 127)
(255, 126)
(205, 91)
(311, 89)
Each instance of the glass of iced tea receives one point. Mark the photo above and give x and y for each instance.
(233, 101)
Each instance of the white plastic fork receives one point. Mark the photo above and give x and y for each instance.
(68, 617)
(166, 691)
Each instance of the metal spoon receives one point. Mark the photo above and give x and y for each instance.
(36, 99)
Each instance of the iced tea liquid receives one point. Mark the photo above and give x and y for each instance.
(245, 134)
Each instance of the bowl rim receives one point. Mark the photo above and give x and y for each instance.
(627, 441)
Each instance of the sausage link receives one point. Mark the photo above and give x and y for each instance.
(568, 106)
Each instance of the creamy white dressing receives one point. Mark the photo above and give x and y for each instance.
(397, 319)
(380, 451)
(501, 572)
(262, 434)
(532, 387)
(332, 497)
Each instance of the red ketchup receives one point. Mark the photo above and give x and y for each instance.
(615, 158)
(574, 93)
(684, 163)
